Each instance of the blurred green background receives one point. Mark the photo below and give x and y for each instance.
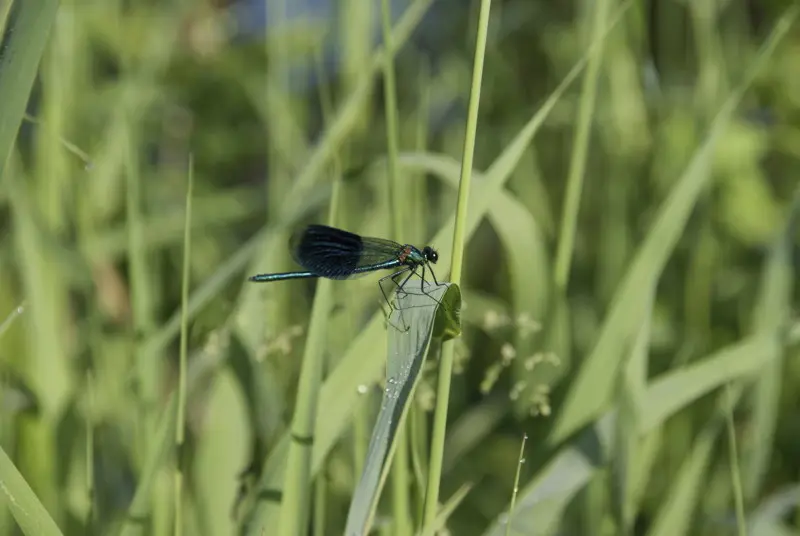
(652, 365)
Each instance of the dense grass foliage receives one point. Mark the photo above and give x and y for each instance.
(630, 253)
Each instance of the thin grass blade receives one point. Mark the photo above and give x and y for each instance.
(446, 511)
(26, 32)
(30, 515)
(773, 307)
(674, 517)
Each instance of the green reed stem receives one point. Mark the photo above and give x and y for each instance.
(180, 425)
(577, 165)
(448, 349)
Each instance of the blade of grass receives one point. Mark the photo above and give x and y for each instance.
(674, 517)
(143, 296)
(320, 504)
(47, 296)
(406, 359)
(774, 305)
(29, 513)
(180, 430)
(628, 452)
(90, 423)
(448, 350)
(515, 491)
(25, 36)
(446, 511)
(580, 150)
(672, 391)
(401, 509)
(736, 477)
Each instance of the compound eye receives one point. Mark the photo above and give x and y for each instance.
(433, 256)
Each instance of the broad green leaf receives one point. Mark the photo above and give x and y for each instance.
(408, 351)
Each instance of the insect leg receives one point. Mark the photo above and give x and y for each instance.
(386, 296)
(403, 284)
(422, 285)
(392, 277)
(401, 289)
(433, 275)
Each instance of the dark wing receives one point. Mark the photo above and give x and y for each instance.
(337, 254)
